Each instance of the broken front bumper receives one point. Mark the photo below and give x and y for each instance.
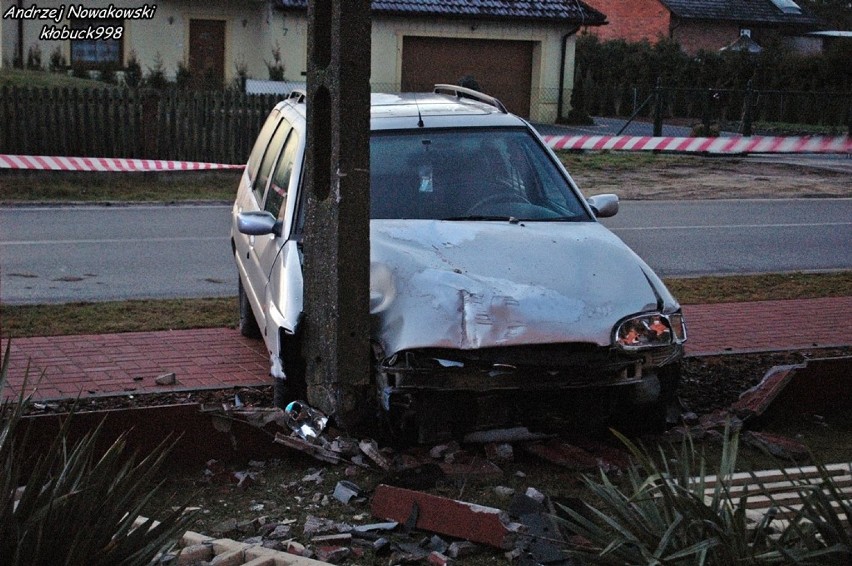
(441, 392)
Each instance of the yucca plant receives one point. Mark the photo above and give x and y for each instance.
(665, 517)
(67, 503)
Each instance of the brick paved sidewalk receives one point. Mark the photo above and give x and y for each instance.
(215, 358)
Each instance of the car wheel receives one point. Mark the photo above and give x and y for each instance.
(248, 323)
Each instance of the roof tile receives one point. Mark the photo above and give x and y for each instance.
(746, 11)
(565, 11)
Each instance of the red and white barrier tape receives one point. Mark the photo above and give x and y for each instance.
(753, 144)
(53, 163)
(734, 145)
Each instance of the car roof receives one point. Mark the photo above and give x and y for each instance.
(393, 111)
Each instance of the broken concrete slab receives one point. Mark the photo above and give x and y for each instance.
(755, 401)
(459, 519)
(371, 450)
(312, 450)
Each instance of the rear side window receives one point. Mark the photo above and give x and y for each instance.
(260, 144)
(277, 195)
(269, 157)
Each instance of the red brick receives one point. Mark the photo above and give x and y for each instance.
(467, 521)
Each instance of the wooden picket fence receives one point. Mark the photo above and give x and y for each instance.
(216, 126)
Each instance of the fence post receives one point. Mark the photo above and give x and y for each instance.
(747, 109)
(658, 108)
(150, 124)
(705, 110)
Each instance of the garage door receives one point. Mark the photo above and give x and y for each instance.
(502, 68)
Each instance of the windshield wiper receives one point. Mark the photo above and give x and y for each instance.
(511, 219)
(558, 219)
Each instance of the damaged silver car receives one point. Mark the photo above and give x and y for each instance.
(495, 294)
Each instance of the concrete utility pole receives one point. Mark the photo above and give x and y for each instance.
(336, 343)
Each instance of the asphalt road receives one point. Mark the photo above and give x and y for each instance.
(64, 254)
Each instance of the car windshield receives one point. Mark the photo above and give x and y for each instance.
(467, 174)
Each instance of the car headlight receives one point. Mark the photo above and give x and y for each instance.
(650, 331)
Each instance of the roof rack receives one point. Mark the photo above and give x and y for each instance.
(297, 93)
(460, 91)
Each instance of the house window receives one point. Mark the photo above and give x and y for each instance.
(98, 53)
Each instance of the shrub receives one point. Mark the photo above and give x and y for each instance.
(664, 517)
(156, 77)
(133, 72)
(57, 62)
(183, 76)
(76, 506)
(276, 66)
(34, 58)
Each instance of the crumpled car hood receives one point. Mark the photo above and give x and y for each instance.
(467, 285)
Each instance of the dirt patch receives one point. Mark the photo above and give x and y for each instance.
(715, 178)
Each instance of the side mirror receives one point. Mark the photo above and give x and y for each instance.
(604, 206)
(259, 223)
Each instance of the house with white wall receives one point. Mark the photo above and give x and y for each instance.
(521, 52)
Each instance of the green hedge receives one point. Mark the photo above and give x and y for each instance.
(611, 77)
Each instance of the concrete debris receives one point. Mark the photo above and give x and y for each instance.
(280, 532)
(504, 492)
(777, 445)
(387, 526)
(381, 546)
(315, 476)
(345, 446)
(371, 450)
(345, 491)
(244, 480)
(166, 379)
(437, 544)
(459, 519)
(313, 450)
(535, 495)
(318, 525)
(297, 548)
(407, 553)
(438, 452)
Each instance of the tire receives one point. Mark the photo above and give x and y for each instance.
(248, 323)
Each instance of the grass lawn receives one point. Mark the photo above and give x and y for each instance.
(179, 186)
(42, 79)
